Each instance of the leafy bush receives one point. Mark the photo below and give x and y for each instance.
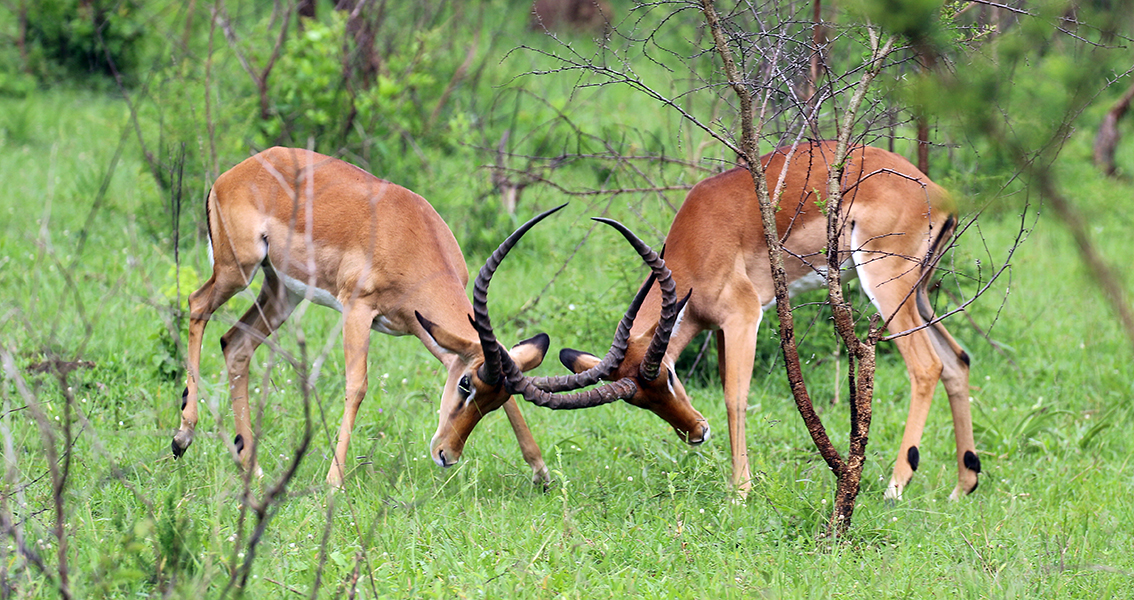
(83, 38)
(312, 100)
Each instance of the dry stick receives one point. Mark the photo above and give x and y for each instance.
(58, 479)
(59, 487)
(8, 526)
(454, 81)
(259, 77)
(1108, 135)
(323, 546)
(863, 352)
(96, 204)
(775, 254)
(1106, 277)
(980, 330)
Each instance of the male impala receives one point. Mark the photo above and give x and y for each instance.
(896, 224)
(325, 230)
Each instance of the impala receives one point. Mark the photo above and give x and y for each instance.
(896, 223)
(327, 231)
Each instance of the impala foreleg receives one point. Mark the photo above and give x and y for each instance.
(357, 319)
(271, 309)
(528, 447)
(739, 336)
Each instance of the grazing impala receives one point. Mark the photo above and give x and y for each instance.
(325, 230)
(896, 223)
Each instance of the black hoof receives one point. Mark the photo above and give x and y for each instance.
(177, 450)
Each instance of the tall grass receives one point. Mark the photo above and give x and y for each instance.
(631, 512)
(91, 318)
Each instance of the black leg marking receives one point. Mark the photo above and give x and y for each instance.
(965, 358)
(239, 443)
(184, 398)
(971, 461)
(914, 457)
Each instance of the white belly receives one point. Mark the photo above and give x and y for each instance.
(815, 279)
(318, 295)
(322, 297)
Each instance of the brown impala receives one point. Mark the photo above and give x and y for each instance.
(325, 230)
(896, 224)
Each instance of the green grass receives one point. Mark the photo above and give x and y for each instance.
(632, 511)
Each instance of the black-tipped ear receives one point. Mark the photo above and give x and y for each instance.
(541, 341)
(426, 324)
(577, 360)
(684, 301)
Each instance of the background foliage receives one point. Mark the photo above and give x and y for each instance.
(100, 244)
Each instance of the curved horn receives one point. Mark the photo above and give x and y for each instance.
(651, 363)
(623, 389)
(609, 362)
(499, 364)
(518, 383)
(491, 370)
(622, 335)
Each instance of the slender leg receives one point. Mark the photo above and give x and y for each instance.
(955, 376)
(924, 369)
(271, 309)
(202, 304)
(739, 336)
(357, 319)
(528, 446)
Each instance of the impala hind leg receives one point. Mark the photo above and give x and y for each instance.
(357, 319)
(271, 309)
(955, 376)
(924, 369)
(202, 304)
(528, 447)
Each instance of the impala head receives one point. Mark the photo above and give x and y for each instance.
(470, 392)
(476, 383)
(636, 369)
(663, 394)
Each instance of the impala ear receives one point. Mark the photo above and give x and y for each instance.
(529, 353)
(577, 360)
(447, 341)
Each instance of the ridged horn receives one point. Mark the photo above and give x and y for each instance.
(651, 363)
(498, 363)
(618, 347)
(613, 358)
(491, 371)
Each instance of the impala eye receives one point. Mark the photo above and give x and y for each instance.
(464, 386)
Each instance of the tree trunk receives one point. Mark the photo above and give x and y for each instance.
(928, 62)
(22, 36)
(306, 10)
(1107, 139)
(360, 62)
(848, 473)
